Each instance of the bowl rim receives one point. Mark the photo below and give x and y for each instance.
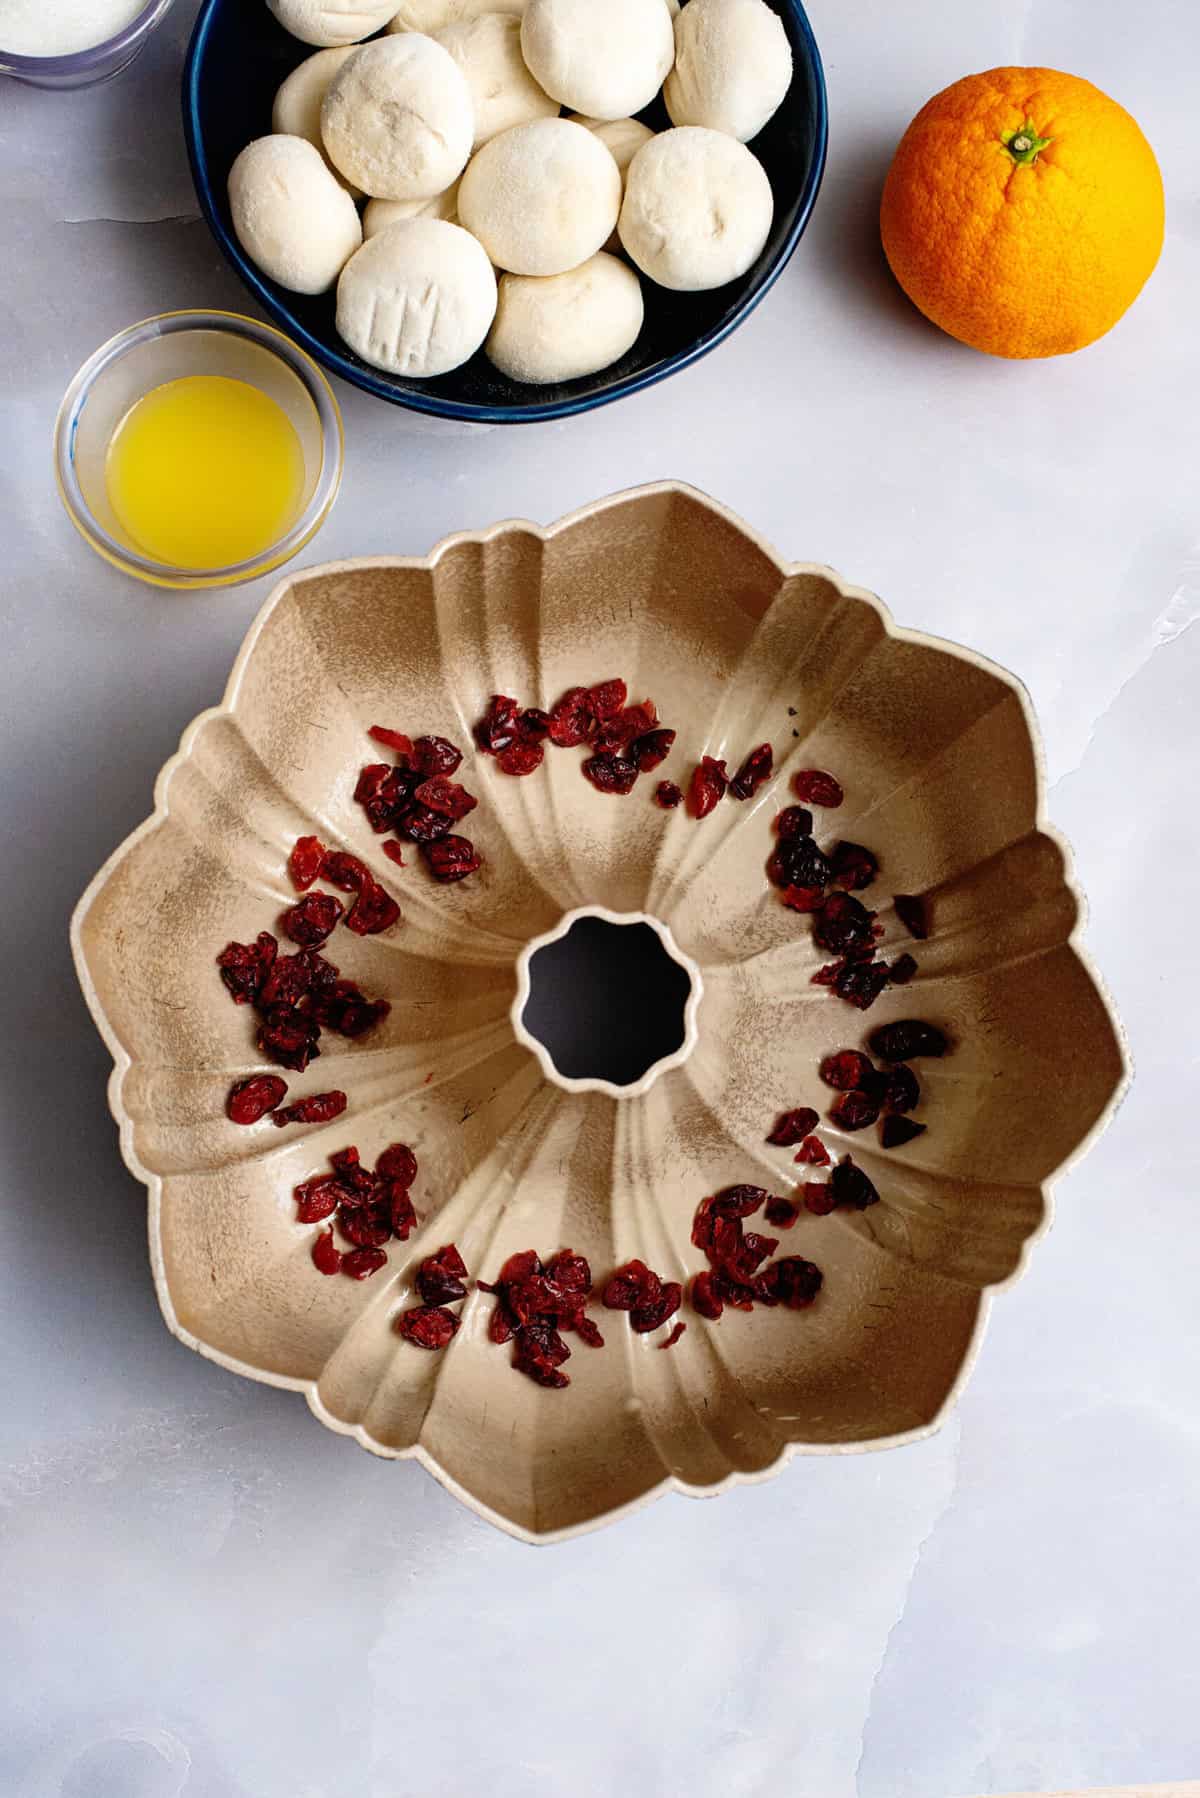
(658, 490)
(434, 405)
(233, 324)
(129, 38)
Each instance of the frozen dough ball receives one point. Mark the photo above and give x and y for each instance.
(328, 22)
(541, 198)
(418, 299)
(379, 214)
(297, 108)
(434, 15)
(565, 326)
(292, 217)
(624, 137)
(604, 60)
(698, 209)
(733, 66)
(397, 119)
(503, 92)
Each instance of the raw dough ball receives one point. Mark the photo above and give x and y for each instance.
(541, 198)
(698, 209)
(297, 108)
(605, 60)
(292, 218)
(503, 92)
(397, 119)
(733, 66)
(567, 326)
(326, 22)
(624, 138)
(380, 214)
(418, 299)
(434, 15)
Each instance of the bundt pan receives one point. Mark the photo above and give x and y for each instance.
(938, 755)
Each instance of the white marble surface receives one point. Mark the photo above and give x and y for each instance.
(204, 1594)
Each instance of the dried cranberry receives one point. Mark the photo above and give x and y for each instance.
(608, 698)
(345, 871)
(792, 1127)
(902, 1089)
(533, 725)
(539, 1353)
(420, 824)
(742, 1201)
(737, 1254)
(758, 767)
(521, 1266)
(635, 724)
(250, 1100)
(304, 863)
(651, 751)
(851, 1186)
(294, 978)
(427, 1326)
(288, 1037)
(318, 1108)
(573, 719)
(860, 983)
(846, 1070)
(374, 910)
(502, 1325)
(441, 794)
(395, 853)
(588, 1332)
(673, 1338)
(853, 866)
(649, 1317)
(521, 758)
(397, 1163)
(855, 1111)
(902, 970)
(452, 859)
(343, 1008)
(896, 1131)
(707, 787)
(730, 1291)
(794, 1282)
(498, 726)
(435, 755)
(326, 1258)
(360, 1264)
(803, 899)
(629, 1286)
(812, 1153)
(366, 1226)
(704, 1299)
(611, 773)
(569, 1271)
(912, 909)
(392, 739)
(384, 793)
(317, 1199)
(819, 1200)
(843, 924)
(668, 795)
(794, 821)
(245, 967)
(815, 787)
(781, 1212)
(312, 919)
(401, 1215)
(907, 1038)
(797, 862)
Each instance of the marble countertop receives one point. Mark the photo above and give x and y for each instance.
(204, 1594)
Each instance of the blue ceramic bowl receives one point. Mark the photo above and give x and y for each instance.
(237, 59)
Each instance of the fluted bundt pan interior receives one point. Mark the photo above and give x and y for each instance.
(937, 754)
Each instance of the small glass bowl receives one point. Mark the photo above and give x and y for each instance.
(166, 349)
(85, 68)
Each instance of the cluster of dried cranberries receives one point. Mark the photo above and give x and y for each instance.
(417, 801)
(535, 1302)
(368, 1207)
(441, 1281)
(625, 740)
(711, 781)
(867, 1092)
(647, 1297)
(736, 1255)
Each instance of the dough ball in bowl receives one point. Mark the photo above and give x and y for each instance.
(418, 299)
(733, 66)
(503, 92)
(624, 137)
(697, 210)
(292, 217)
(541, 198)
(434, 15)
(563, 327)
(379, 214)
(297, 108)
(397, 119)
(606, 58)
(329, 22)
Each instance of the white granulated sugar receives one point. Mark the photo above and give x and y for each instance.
(568, 326)
(503, 92)
(434, 15)
(733, 66)
(541, 198)
(62, 27)
(398, 120)
(606, 60)
(697, 210)
(292, 218)
(418, 299)
(329, 22)
(379, 214)
(297, 108)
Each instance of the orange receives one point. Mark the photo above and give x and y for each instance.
(1023, 212)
